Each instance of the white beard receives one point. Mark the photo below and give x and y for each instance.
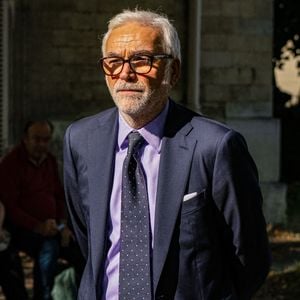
(142, 102)
(131, 104)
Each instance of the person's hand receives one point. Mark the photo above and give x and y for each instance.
(66, 236)
(47, 228)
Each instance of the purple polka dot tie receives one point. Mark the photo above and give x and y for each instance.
(135, 266)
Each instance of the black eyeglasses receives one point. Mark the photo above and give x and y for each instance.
(139, 64)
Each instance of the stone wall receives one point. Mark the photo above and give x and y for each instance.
(236, 59)
(236, 85)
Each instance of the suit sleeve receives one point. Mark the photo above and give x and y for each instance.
(72, 193)
(237, 195)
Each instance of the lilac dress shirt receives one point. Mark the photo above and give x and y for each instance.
(150, 156)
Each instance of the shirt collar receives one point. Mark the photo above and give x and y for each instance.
(151, 132)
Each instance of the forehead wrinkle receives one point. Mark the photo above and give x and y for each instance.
(127, 40)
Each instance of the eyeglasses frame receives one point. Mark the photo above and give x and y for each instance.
(151, 57)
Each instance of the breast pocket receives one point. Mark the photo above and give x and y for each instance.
(195, 203)
(196, 222)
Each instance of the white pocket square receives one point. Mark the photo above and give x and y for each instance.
(189, 196)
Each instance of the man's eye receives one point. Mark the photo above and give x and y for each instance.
(114, 61)
(140, 59)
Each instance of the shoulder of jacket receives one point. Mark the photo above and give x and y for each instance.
(93, 121)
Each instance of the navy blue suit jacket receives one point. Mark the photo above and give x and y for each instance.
(213, 246)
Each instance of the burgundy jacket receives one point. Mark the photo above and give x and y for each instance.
(30, 193)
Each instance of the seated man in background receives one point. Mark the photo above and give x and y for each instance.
(11, 272)
(31, 190)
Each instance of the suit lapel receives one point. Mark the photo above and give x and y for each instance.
(101, 152)
(175, 162)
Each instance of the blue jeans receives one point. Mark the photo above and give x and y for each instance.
(45, 268)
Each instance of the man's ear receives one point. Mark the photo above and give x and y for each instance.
(175, 72)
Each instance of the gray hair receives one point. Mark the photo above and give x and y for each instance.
(170, 42)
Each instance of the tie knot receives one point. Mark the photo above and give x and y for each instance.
(135, 140)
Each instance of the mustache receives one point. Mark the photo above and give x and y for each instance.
(128, 86)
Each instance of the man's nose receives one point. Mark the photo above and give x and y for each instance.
(127, 73)
(42, 142)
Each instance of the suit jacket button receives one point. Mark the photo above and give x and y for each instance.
(160, 297)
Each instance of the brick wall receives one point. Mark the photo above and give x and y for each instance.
(236, 58)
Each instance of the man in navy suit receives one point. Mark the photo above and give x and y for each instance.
(208, 237)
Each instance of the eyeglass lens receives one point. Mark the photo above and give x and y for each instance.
(139, 64)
